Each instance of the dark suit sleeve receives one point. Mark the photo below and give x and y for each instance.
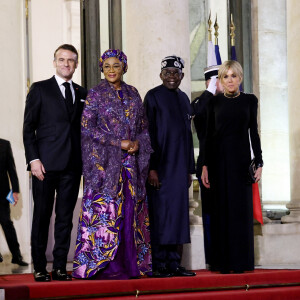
(190, 136)
(255, 140)
(210, 128)
(150, 108)
(81, 91)
(11, 169)
(200, 103)
(31, 121)
(200, 107)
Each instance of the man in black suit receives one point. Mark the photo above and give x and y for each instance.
(8, 172)
(199, 107)
(51, 135)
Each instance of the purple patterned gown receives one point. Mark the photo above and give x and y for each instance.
(113, 238)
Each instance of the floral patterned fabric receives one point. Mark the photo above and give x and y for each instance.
(113, 230)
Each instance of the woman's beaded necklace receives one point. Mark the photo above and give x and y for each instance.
(234, 95)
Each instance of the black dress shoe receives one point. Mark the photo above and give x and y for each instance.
(60, 274)
(181, 271)
(238, 271)
(224, 271)
(162, 273)
(41, 276)
(1, 258)
(19, 261)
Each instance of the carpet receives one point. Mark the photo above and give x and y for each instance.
(259, 284)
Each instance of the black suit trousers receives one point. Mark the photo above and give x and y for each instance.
(168, 256)
(66, 186)
(9, 229)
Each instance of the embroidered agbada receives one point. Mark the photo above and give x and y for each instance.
(114, 211)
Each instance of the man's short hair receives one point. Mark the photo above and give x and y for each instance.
(66, 47)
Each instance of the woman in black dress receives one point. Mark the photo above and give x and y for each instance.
(232, 120)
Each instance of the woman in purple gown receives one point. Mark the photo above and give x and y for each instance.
(113, 240)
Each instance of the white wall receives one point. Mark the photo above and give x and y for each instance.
(53, 23)
(154, 29)
(13, 81)
(273, 101)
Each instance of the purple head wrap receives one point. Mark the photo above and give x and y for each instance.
(120, 55)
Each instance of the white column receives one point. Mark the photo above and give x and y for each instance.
(293, 45)
(270, 80)
(13, 82)
(152, 30)
(53, 23)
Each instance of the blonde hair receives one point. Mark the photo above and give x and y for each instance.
(234, 66)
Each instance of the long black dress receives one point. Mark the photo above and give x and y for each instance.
(227, 155)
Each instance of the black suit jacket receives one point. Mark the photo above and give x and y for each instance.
(7, 168)
(49, 132)
(199, 107)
